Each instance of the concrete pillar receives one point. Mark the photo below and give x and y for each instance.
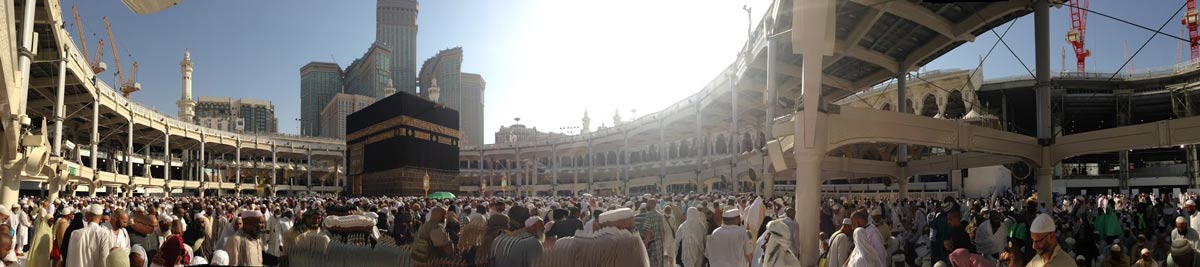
(772, 96)
(624, 166)
(55, 186)
(59, 108)
(520, 171)
(1123, 180)
(813, 21)
(309, 171)
(1041, 30)
(237, 166)
(664, 154)
(554, 169)
(699, 146)
(92, 189)
(591, 160)
(902, 182)
(129, 145)
(167, 154)
(25, 57)
(203, 164)
(275, 166)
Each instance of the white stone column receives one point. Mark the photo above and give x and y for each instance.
(274, 167)
(203, 164)
(310, 167)
(237, 165)
(813, 21)
(166, 154)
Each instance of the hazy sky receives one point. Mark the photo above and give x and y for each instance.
(544, 61)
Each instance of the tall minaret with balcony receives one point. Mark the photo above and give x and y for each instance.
(186, 105)
(587, 123)
(617, 118)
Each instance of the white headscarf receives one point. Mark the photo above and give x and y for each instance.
(141, 251)
(864, 255)
(779, 246)
(220, 258)
(692, 234)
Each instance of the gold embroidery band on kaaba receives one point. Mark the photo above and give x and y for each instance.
(404, 121)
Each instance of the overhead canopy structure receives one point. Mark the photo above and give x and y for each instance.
(144, 7)
(876, 39)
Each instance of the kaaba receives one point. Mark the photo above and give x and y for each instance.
(393, 144)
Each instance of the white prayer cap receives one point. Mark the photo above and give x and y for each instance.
(372, 215)
(1042, 224)
(6, 212)
(732, 213)
(198, 260)
(876, 212)
(1115, 248)
(251, 214)
(616, 215)
(1191, 202)
(837, 206)
(220, 258)
(16, 206)
(940, 264)
(532, 220)
(1080, 257)
(66, 210)
(846, 221)
(95, 209)
(1180, 219)
(1144, 251)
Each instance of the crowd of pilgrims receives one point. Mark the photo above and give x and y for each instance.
(689, 230)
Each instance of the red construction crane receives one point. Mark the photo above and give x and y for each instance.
(1190, 21)
(1078, 29)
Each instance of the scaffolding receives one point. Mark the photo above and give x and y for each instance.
(1181, 105)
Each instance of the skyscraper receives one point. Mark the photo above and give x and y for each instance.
(333, 116)
(470, 113)
(396, 29)
(369, 75)
(446, 67)
(319, 81)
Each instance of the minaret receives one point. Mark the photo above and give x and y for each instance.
(587, 123)
(186, 104)
(389, 90)
(434, 91)
(616, 118)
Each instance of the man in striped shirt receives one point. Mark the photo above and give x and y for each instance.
(520, 247)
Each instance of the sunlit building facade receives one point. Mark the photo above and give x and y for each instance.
(319, 82)
(396, 29)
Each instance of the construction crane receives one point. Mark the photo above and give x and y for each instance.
(127, 86)
(1190, 21)
(97, 66)
(1075, 35)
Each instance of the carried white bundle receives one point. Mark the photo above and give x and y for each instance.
(348, 221)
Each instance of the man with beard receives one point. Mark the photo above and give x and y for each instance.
(1182, 231)
(1045, 242)
(310, 222)
(840, 245)
(869, 248)
(991, 235)
(245, 247)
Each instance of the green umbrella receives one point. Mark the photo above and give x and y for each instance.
(441, 195)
